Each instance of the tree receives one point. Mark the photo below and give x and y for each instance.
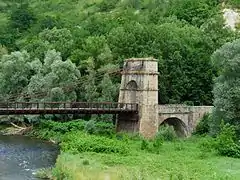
(227, 85)
(3, 50)
(55, 80)
(22, 17)
(194, 12)
(96, 50)
(15, 74)
(58, 39)
(49, 22)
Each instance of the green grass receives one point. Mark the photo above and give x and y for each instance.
(176, 160)
(100, 155)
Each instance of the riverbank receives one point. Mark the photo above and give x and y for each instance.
(176, 160)
(93, 151)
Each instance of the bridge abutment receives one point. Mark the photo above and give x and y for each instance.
(139, 84)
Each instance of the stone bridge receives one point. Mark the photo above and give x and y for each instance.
(139, 84)
(183, 118)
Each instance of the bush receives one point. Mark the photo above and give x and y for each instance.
(105, 128)
(203, 125)
(80, 142)
(62, 127)
(166, 133)
(207, 144)
(152, 146)
(226, 142)
(90, 127)
(144, 144)
(234, 3)
(157, 143)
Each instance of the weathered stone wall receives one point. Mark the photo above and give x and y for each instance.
(198, 113)
(140, 85)
(189, 115)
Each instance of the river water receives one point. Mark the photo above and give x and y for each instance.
(20, 157)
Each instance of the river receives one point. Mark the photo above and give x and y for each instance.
(21, 156)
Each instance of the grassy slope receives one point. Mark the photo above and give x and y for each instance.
(177, 160)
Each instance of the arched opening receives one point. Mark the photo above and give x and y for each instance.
(132, 91)
(178, 125)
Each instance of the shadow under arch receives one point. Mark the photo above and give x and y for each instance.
(132, 88)
(178, 125)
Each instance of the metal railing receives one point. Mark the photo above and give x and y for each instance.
(76, 107)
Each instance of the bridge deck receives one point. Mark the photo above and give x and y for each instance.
(15, 108)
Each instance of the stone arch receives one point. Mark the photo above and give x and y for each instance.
(179, 126)
(132, 88)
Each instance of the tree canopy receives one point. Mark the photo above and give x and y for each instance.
(227, 85)
(52, 43)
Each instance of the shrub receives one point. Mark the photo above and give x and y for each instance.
(80, 142)
(105, 129)
(226, 142)
(144, 145)
(166, 133)
(203, 125)
(207, 144)
(234, 3)
(90, 127)
(157, 143)
(85, 162)
(62, 127)
(152, 146)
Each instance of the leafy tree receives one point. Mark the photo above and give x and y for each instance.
(194, 12)
(234, 3)
(184, 76)
(55, 80)
(59, 39)
(22, 17)
(109, 91)
(49, 22)
(3, 50)
(181, 34)
(227, 85)
(96, 49)
(106, 5)
(214, 28)
(15, 74)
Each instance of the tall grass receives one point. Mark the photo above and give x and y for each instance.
(88, 155)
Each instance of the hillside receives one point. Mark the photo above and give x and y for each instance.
(94, 34)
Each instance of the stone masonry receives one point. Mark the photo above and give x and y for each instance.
(139, 84)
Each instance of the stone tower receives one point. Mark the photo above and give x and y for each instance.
(139, 85)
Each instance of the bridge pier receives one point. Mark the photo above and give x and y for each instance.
(139, 84)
